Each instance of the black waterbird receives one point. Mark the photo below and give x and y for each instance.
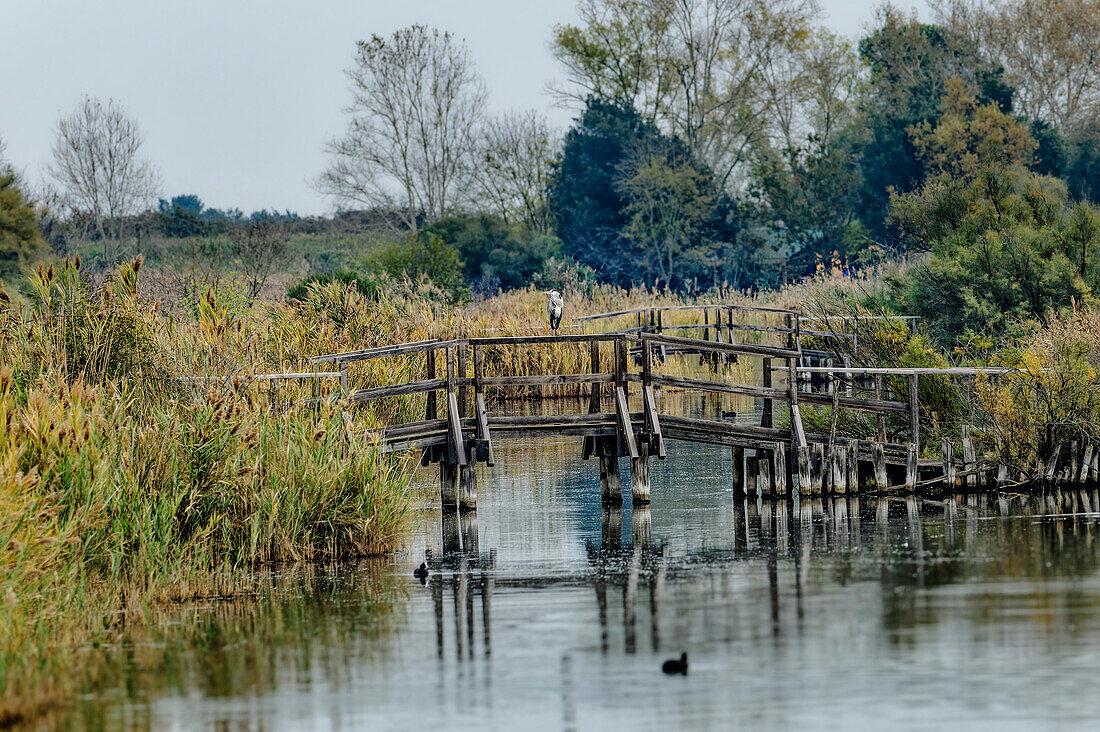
(421, 572)
(674, 666)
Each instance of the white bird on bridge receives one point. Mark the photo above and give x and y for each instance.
(555, 305)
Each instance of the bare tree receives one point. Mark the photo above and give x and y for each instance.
(1050, 50)
(97, 166)
(259, 247)
(512, 168)
(416, 105)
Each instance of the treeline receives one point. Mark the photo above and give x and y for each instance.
(716, 143)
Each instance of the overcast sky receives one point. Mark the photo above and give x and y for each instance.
(237, 98)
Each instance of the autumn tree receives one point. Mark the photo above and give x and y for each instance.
(692, 67)
(417, 103)
(98, 169)
(1050, 50)
(969, 137)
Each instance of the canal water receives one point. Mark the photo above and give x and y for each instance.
(546, 611)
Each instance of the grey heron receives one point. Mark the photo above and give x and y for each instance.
(554, 307)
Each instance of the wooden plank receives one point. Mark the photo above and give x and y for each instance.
(530, 420)
(914, 411)
(673, 308)
(767, 410)
(713, 347)
(413, 387)
(625, 427)
(290, 377)
(880, 420)
(922, 371)
(719, 387)
(653, 424)
(536, 339)
(858, 403)
(456, 443)
(548, 379)
(397, 349)
(483, 426)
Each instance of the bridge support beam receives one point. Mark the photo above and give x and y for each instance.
(448, 485)
(611, 484)
(467, 497)
(639, 475)
(737, 461)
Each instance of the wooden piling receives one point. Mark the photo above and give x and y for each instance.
(766, 411)
(969, 458)
(448, 484)
(817, 472)
(911, 469)
(880, 417)
(840, 469)
(467, 500)
(611, 485)
(947, 456)
(779, 469)
(764, 475)
(737, 470)
(853, 466)
(639, 475)
(878, 458)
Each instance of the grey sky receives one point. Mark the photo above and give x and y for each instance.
(237, 98)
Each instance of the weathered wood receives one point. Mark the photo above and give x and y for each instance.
(840, 469)
(483, 433)
(460, 362)
(639, 475)
(853, 466)
(431, 411)
(911, 476)
(456, 445)
(448, 485)
(778, 469)
(878, 458)
(653, 425)
(397, 349)
(611, 487)
(763, 476)
(914, 411)
(467, 497)
(817, 473)
(1086, 462)
(413, 387)
(625, 428)
(737, 470)
(880, 419)
(711, 346)
(718, 387)
(805, 469)
(969, 458)
(798, 433)
(766, 409)
(548, 380)
(947, 454)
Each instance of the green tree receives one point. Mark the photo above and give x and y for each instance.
(497, 256)
(1008, 249)
(423, 255)
(20, 241)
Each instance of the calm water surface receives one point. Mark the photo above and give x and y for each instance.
(546, 612)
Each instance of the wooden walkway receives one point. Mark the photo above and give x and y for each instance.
(775, 455)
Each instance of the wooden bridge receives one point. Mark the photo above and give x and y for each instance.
(626, 415)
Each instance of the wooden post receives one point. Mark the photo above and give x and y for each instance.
(911, 472)
(853, 466)
(764, 474)
(461, 376)
(817, 475)
(880, 417)
(431, 411)
(766, 411)
(969, 462)
(914, 411)
(344, 377)
(448, 484)
(779, 469)
(805, 470)
(840, 469)
(737, 461)
(706, 333)
(660, 330)
(611, 484)
(639, 475)
(467, 500)
(947, 454)
(878, 457)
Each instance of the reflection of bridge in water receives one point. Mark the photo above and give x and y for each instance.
(630, 570)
